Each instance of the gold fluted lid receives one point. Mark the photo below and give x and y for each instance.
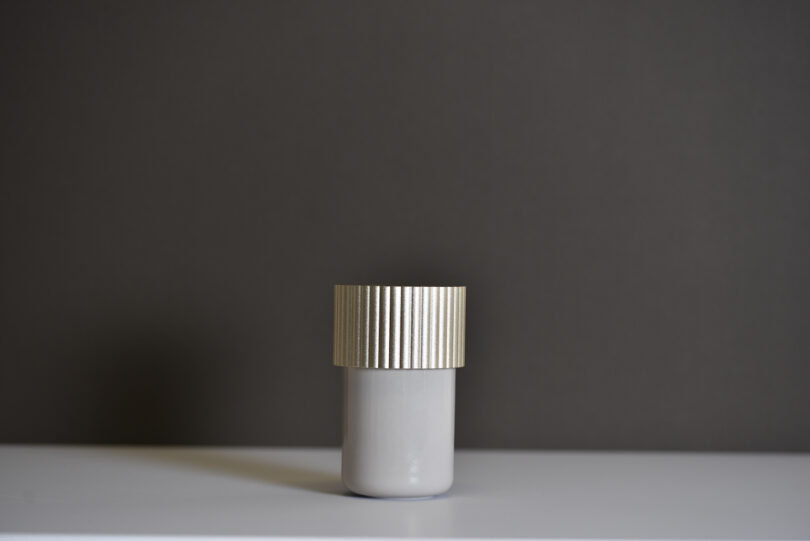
(399, 327)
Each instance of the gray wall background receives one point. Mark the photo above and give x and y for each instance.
(623, 187)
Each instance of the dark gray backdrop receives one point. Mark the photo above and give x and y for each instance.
(624, 187)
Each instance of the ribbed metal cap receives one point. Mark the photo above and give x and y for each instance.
(399, 327)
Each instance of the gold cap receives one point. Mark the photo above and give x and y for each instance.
(399, 327)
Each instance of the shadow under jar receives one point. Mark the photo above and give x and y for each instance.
(399, 347)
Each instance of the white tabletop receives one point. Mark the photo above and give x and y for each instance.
(285, 492)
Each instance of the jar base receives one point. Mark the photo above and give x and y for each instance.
(388, 496)
(398, 432)
(394, 492)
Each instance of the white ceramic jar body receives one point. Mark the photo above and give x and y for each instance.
(398, 431)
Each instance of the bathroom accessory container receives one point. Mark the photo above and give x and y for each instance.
(399, 348)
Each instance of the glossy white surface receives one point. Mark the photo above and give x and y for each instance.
(398, 431)
(154, 492)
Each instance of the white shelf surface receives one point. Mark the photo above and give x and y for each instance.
(115, 492)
